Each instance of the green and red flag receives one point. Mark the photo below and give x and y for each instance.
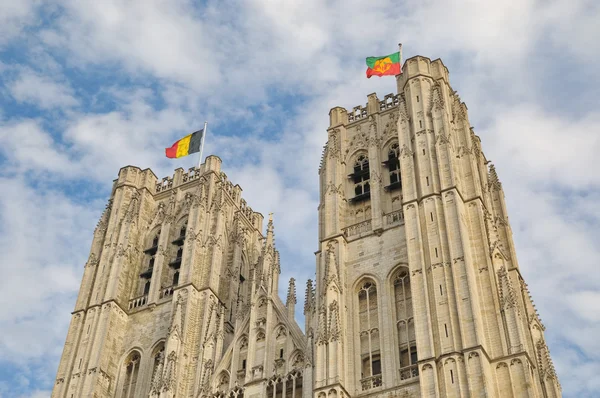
(384, 66)
(189, 144)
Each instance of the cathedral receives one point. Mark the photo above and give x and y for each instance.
(418, 291)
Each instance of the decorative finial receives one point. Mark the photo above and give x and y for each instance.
(308, 297)
(291, 297)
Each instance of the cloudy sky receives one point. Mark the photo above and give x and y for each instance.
(88, 87)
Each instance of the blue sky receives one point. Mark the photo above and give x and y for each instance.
(88, 87)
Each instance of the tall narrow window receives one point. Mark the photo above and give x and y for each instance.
(368, 318)
(146, 287)
(175, 263)
(360, 178)
(176, 278)
(405, 327)
(132, 368)
(393, 164)
(158, 363)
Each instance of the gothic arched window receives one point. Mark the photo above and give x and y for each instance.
(176, 278)
(132, 369)
(405, 326)
(155, 240)
(360, 178)
(368, 318)
(158, 356)
(393, 165)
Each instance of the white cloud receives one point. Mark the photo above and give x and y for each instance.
(14, 17)
(42, 91)
(41, 269)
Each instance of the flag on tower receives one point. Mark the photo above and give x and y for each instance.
(189, 144)
(385, 65)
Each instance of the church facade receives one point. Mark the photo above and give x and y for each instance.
(418, 290)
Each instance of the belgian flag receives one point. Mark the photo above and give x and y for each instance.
(189, 144)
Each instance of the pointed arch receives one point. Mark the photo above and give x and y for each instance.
(129, 374)
(401, 295)
(366, 293)
(157, 358)
(392, 162)
(360, 176)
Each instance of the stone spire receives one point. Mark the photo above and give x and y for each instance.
(270, 232)
(291, 298)
(308, 298)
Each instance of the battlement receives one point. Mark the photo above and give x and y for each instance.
(422, 66)
(131, 175)
(339, 115)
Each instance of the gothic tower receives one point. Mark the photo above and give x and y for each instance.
(179, 297)
(418, 289)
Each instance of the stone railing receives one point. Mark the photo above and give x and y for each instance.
(166, 183)
(408, 372)
(358, 112)
(396, 217)
(364, 226)
(371, 382)
(192, 174)
(246, 210)
(138, 301)
(166, 292)
(389, 101)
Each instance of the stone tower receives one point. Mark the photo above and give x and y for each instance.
(179, 297)
(418, 290)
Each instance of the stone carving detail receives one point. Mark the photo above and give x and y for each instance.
(358, 141)
(92, 260)
(508, 295)
(159, 215)
(309, 298)
(133, 208)
(322, 337)
(493, 180)
(442, 139)
(103, 222)
(332, 189)
(437, 102)
(406, 152)
(391, 127)
(333, 145)
(334, 321)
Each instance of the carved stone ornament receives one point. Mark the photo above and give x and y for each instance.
(437, 102)
(333, 145)
(334, 321)
(92, 260)
(358, 141)
(406, 152)
(391, 127)
(442, 139)
(133, 208)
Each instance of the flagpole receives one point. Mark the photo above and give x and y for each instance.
(202, 145)
(400, 51)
